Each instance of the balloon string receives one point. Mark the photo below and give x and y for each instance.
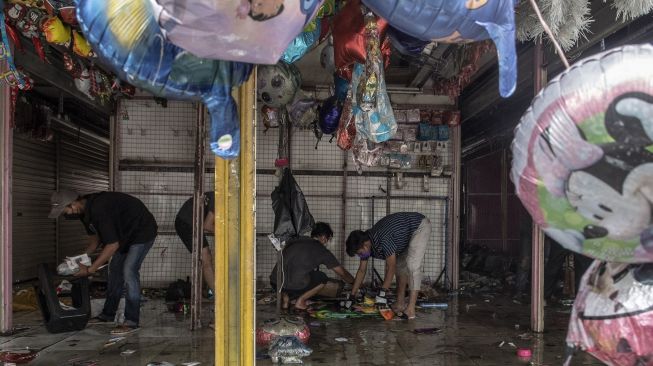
(550, 34)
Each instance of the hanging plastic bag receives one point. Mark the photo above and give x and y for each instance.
(375, 119)
(291, 214)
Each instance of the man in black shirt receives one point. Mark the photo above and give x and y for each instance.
(126, 229)
(301, 259)
(400, 239)
(184, 228)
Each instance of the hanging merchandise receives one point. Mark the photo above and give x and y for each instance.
(349, 37)
(612, 317)
(330, 112)
(347, 125)
(83, 82)
(405, 44)
(327, 9)
(583, 156)
(127, 37)
(74, 67)
(11, 76)
(292, 217)
(28, 21)
(81, 47)
(449, 21)
(326, 57)
(236, 30)
(375, 119)
(301, 44)
(278, 84)
(65, 9)
(56, 32)
(302, 112)
(341, 87)
(270, 117)
(367, 154)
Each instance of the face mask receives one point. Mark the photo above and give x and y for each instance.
(72, 216)
(364, 256)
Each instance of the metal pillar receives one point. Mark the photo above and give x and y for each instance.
(114, 157)
(6, 148)
(235, 187)
(537, 266)
(198, 218)
(454, 253)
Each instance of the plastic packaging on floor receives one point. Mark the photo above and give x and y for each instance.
(288, 349)
(612, 318)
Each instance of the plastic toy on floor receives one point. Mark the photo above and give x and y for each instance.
(286, 326)
(288, 349)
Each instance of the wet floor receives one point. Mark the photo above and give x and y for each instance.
(472, 333)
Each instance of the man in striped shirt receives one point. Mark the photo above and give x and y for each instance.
(400, 239)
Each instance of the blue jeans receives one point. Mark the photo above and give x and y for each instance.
(124, 272)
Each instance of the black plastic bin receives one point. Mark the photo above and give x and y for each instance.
(57, 319)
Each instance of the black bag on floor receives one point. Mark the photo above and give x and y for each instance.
(178, 290)
(291, 214)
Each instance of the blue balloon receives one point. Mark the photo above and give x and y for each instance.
(125, 34)
(457, 21)
(330, 115)
(405, 44)
(301, 44)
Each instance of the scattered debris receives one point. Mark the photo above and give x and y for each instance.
(288, 349)
(427, 330)
(18, 356)
(387, 314)
(469, 306)
(163, 363)
(516, 326)
(502, 343)
(315, 324)
(193, 363)
(525, 336)
(113, 342)
(341, 339)
(524, 352)
(512, 345)
(127, 352)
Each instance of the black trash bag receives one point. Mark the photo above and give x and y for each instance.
(291, 214)
(178, 290)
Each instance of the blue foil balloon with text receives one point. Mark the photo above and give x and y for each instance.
(458, 21)
(125, 34)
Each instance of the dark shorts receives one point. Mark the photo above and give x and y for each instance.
(316, 278)
(185, 232)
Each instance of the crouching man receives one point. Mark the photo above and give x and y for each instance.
(301, 259)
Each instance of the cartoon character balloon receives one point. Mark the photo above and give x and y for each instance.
(457, 22)
(583, 156)
(252, 31)
(612, 317)
(278, 84)
(126, 35)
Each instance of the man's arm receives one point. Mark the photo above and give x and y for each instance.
(360, 276)
(209, 222)
(105, 255)
(390, 269)
(93, 242)
(344, 274)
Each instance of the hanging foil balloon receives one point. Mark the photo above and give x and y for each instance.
(347, 125)
(302, 112)
(236, 30)
(327, 9)
(65, 9)
(405, 44)
(278, 84)
(301, 45)
(56, 31)
(11, 76)
(326, 57)
(449, 21)
(81, 47)
(583, 158)
(330, 115)
(612, 317)
(126, 35)
(28, 21)
(349, 39)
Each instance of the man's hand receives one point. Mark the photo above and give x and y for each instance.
(381, 298)
(83, 271)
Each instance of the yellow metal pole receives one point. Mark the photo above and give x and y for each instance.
(235, 234)
(247, 101)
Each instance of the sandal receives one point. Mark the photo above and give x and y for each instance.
(401, 315)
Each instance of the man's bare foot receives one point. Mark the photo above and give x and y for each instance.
(398, 308)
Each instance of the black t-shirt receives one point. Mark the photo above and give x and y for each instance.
(301, 256)
(185, 213)
(118, 217)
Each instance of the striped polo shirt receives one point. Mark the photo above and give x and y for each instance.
(392, 234)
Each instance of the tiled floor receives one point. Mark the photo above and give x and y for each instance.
(471, 336)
